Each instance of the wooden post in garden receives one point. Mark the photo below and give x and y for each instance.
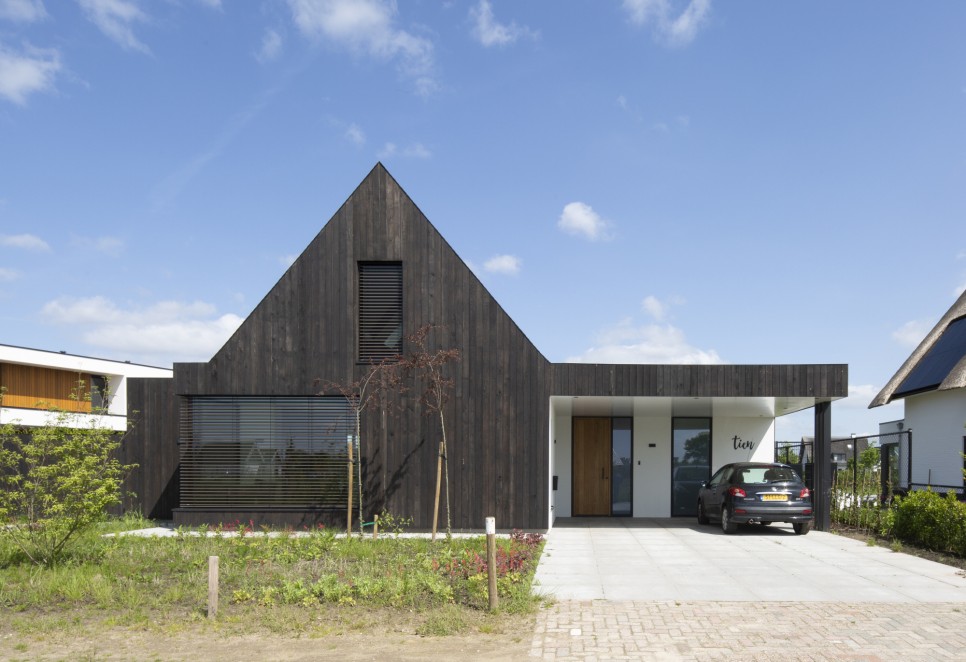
(348, 510)
(491, 569)
(212, 586)
(439, 478)
(375, 527)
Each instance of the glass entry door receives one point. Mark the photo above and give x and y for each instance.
(602, 466)
(690, 463)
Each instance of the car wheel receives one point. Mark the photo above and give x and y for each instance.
(702, 516)
(726, 524)
(802, 528)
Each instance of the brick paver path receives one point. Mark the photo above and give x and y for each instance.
(604, 630)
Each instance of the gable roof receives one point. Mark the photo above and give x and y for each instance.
(938, 363)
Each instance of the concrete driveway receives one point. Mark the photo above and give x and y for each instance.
(676, 559)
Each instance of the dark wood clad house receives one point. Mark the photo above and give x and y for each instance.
(247, 436)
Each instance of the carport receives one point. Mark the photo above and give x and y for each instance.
(651, 559)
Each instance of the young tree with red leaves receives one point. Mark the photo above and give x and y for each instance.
(427, 366)
(380, 377)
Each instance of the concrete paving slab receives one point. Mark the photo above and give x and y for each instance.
(661, 559)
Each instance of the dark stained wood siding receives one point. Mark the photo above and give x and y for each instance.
(810, 380)
(304, 332)
(152, 444)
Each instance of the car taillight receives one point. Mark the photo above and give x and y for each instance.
(804, 494)
(736, 492)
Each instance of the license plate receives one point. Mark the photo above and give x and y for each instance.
(774, 497)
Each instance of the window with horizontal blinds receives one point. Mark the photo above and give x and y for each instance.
(380, 311)
(251, 452)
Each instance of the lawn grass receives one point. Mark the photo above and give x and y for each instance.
(286, 582)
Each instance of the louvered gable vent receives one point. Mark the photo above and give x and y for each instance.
(380, 310)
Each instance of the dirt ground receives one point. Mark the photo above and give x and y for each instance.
(222, 644)
(122, 644)
(938, 557)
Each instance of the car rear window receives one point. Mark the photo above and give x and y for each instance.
(751, 475)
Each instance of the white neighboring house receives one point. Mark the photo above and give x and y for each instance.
(932, 382)
(36, 380)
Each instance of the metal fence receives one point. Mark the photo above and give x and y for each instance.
(799, 455)
(853, 468)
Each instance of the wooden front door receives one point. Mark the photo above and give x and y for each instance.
(592, 464)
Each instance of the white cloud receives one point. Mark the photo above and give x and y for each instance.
(22, 11)
(503, 264)
(287, 260)
(22, 74)
(651, 343)
(26, 241)
(911, 333)
(8, 275)
(655, 308)
(678, 31)
(163, 332)
(413, 151)
(212, 4)
(108, 245)
(355, 134)
(489, 32)
(958, 292)
(860, 395)
(659, 310)
(580, 219)
(271, 46)
(116, 18)
(368, 27)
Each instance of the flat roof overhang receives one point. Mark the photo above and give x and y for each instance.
(768, 390)
(754, 407)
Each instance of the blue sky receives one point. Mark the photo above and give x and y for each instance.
(634, 180)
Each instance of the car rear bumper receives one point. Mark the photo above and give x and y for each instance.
(755, 513)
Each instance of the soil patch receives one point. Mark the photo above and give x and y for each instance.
(357, 636)
(898, 546)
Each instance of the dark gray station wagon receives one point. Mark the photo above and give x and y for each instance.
(755, 493)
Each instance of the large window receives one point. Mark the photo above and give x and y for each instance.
(690, 464)
(621, 461)
(380, 311)
(244, 452)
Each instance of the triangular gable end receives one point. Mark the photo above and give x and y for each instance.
(955, 376)
(305, 328)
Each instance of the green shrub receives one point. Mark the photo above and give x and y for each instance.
(56, 482)
(929, 520)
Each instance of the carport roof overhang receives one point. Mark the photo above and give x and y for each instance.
(767, 391)
(754, 407)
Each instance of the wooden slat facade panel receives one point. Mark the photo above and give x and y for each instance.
(35, 387)
(821, 381)
(152, 444)
(305, 330)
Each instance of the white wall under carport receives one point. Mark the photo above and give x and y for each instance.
(734, 439)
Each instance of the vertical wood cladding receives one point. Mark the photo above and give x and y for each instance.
(817, 381)
(34, 387)
(151, 444)
(304, 333)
